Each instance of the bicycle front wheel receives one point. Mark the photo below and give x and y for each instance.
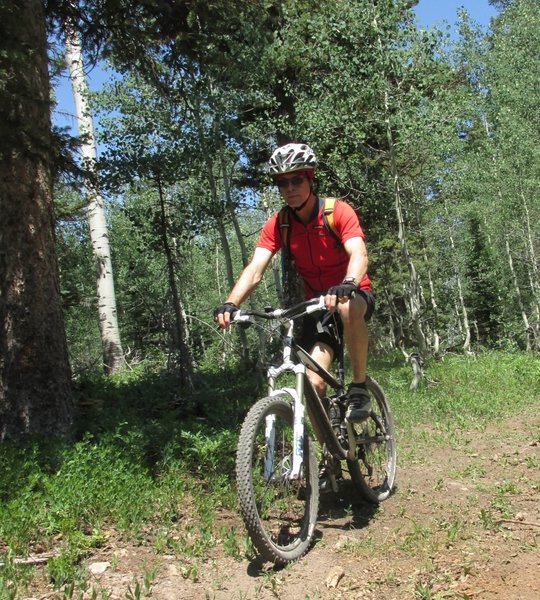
(374, 470)
(280, 513)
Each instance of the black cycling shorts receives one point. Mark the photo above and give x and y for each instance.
(327, 327)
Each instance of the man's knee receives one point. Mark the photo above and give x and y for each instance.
(353, 311)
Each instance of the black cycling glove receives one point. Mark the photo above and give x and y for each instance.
(226, 307)
(343, 290)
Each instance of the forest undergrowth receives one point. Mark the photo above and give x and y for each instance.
(152, 465)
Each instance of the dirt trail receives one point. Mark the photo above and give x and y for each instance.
(464, 523)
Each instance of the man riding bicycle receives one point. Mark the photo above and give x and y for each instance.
(337, 270)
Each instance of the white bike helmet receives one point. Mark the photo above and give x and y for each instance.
(292, 157)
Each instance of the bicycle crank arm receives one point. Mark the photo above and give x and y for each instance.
(351, 451)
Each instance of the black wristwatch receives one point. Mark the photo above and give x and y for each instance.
(350, 280)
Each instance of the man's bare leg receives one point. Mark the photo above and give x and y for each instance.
(330, 468)
(355, 333)
(323, 354)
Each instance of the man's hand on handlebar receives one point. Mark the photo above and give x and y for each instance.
(224, 314)
(340, 293)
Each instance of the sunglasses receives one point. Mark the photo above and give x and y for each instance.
(295, 181)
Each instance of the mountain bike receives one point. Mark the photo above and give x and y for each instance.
(277, 466)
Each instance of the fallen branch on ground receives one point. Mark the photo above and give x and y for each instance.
(32, 560)
(515, 521)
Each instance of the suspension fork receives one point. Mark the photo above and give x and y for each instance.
(296, 394)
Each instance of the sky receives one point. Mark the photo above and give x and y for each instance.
(428, 12)
(433, 12)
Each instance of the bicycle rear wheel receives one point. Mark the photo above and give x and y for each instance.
(374, 469)
(280, 513)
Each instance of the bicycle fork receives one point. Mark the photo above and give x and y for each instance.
(292, 470)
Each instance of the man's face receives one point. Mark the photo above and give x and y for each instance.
(294, 187)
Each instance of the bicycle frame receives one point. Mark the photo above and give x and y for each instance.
(316, 411)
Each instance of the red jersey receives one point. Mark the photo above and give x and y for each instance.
(320, 260)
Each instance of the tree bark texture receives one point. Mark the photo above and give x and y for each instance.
(35, 377)
(461, 308)
(517, 291)
(413, 297)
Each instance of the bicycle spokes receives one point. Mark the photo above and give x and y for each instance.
(374, 464)
(279, 506)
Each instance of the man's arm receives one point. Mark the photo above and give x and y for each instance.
(247, 282)
(358, 258)
(357, 268)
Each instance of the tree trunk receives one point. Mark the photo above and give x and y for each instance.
(230, 209)
(417, 365)
(185, 357)
(532, 268)
(435, 337)
(517, 291)
(113, 355)
(275, 264)
(413, 299)
(261, 333)
(35, 377)
(212, 184)
(412, 296)
(461, 309)
(436, 340)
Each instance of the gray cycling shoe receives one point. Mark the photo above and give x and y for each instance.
(358, 404)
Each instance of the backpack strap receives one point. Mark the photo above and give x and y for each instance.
(328, 218)
(284, 224)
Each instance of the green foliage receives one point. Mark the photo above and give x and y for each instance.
(13, 577)
(145, 454)
(484, 292)
(383, 103)
(147, 468)
(461, 391)
(204, 93)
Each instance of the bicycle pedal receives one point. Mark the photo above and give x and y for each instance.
(325, 484)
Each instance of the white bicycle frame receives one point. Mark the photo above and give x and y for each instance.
(293, 471)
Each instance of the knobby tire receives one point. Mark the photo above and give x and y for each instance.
(374, 469)
(280, 515)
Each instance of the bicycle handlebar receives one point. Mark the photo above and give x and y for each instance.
(298, 310)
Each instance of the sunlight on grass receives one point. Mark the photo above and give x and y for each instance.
(461, 392)
(146, 466)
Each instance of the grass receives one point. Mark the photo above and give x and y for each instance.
(459, 393)
(152, 464)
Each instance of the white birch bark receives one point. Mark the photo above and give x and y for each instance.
(532, 267)
(461, 307)
(113, 356)
(413, 292)
(517, 291)
(261, 333)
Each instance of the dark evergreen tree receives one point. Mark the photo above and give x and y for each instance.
(484, 298)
